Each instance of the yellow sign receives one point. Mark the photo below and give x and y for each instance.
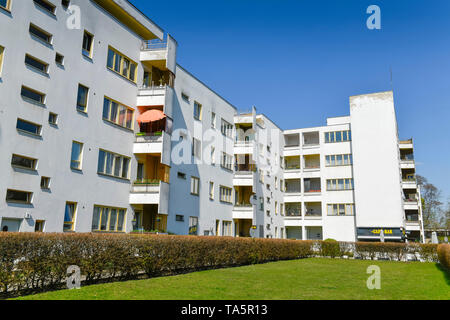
(386, 231)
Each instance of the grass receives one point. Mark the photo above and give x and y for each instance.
(307, 279)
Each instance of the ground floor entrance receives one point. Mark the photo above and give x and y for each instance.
(147, 219)
(242, 228)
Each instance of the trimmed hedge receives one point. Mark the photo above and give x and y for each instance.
(444, 255)
(31, 262)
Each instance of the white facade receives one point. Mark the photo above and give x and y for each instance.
(201, 167)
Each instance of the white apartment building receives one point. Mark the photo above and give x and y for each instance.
(102, 131)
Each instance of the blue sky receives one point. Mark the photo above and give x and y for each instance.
(299, 61)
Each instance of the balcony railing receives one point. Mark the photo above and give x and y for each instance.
(313, 191)
(149, 137)
(292, 167)
(293, 213)
(153, 45)
(312, 167)
(245, 167)
(146, 186)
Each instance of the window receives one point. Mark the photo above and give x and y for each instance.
(193, 226)
(53, 118)
(19, 196)
(197, 111)
(213, 120)
(276, 208)
(45, 183)
(339, 184)
(340, 209)
(82, 98)
(32, 95)
(23, 162)
(338, 136)
(122, 65)
(46, 5)
(87, 44)
(59, 59)
(65, 4)
(195, 186)
(226, 129)
(36, 64)
(2, 50)
(261, 203)
(211, 190)
(5, 4)
(118, 113)
(77, 155)
(213, 155)
(179, 218)
(227, 161)
(39, 226)
(339, 160)
(69, 216)
(226, 194)
(196, 148)
(113, 164)
(185, 97)
(108, 219)
(28, 127)
(40, 34)
(227, 228)
(182, 175)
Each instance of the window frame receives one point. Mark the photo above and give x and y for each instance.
(42, 95)
(71, 223)
(2, 54)
(109, 210)
(39, 127)
(86, 100)
(38, 61)
(85, 52)
(80, 157)
(8, 6)
(119, 105)
(52, 12)
(114, 156)
(28, 193)
(122, 58)
(49, 36)
(195, 186)
(226, 194)
(198, 111)
(32, 168)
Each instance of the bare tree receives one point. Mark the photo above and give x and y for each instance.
(431, 204)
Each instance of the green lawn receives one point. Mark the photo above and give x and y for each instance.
(299, 280)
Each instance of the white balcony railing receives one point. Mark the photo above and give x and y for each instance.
(153, 45)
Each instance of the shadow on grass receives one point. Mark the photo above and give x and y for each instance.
(445, 271)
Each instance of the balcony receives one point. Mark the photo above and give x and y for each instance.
(159, 53)
(151, 192)
(243, 211)
(312, 162)
(406, 144)
(313, 211)
(152, 143)
(312, 186)
(244, 175)
(311, 139)
(294, 210)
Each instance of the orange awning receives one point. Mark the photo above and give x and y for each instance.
(151, 116)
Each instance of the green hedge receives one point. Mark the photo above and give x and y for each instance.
(30, 262)
(444, 255)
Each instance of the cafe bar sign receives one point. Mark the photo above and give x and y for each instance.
(374, 233)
